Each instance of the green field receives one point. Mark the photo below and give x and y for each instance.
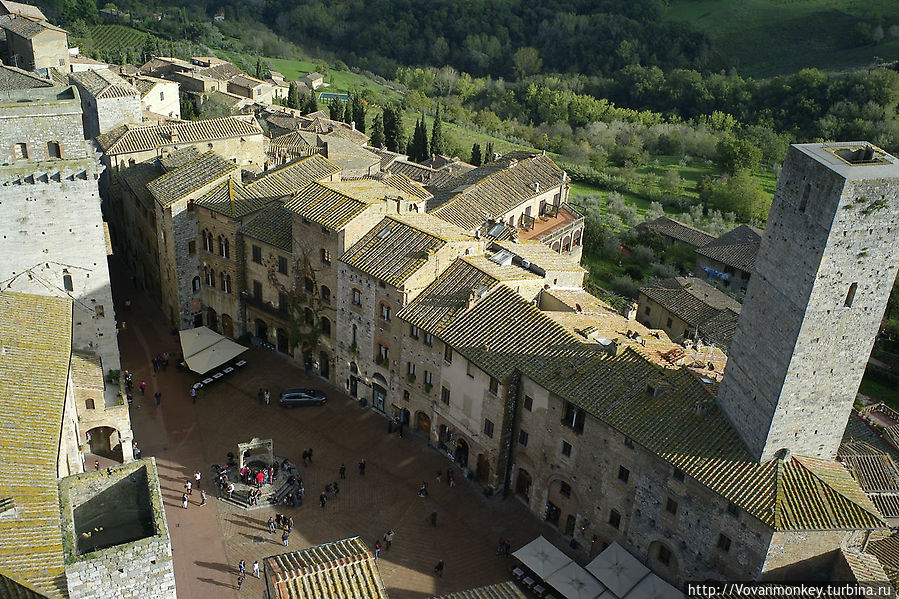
(770, 37)
(462, 137)
(116, 37)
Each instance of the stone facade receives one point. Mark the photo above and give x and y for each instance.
(220, 259)
(134, 555)
(105, 114)
(46, 49)
(50, 116)
(815, 300)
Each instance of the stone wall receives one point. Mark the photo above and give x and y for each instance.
(242, 150)
(163, 98)
(106, 114)
(223, 300)
(814, 304)
(52, 115)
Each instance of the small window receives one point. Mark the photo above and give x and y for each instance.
(494, 386)
(309, 317)
(413, 331)
(614, 519)
(384, 353)
(733, 510)
(257, 291)
(326, 256)
(257, 254)
(429, 339)
(326, 294)
(488, 428)
(574, 418)
(89, 403)
(664, 555)
(444, 395)
(850, 296)
(723, 543)
(195, 285)
(628, 442)
(20, 152)
(410, 369)
(282, 265)
(803, 202)
(227, 287)
(429, 377)
(566, 449)
(53, 149)
(385, 312)
(67, 281)
(326, 326)
(282, 301)
(671, 506)
(448, 354)
(99, 310)
(406, 395)
(523, 438)
(678, 475)
(623, 474)
(565, 489)
(646, 310)
(469, 370)
(357, 297)
(528, 403)
(191, 247)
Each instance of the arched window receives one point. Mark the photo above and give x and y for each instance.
(212, 277)
(207, 240)
(310, 317)
(227, 248)
(222, 280)
(326, 327)
(227, 286)
(53, 149)
(89, 403)
(221, 241)
(206, 273)
(326, 294)
(195, 284)
(308, 285)
(67, 280)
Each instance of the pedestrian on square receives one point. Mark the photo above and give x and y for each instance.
(335, 489)
(322, 499)
(242, 567)
(433, 518)
(268, 397)
(156, 364)
(377, 550)
(197, 477)
(193, 395)
(328, 491)
(240, 579)
(230, 490)
(342, 471)
(143, 387)
(284, 537)
(96, 464)
(305, 456)
(158, 396)
(507, 548)
(184, 500)
(261, 396)
(452, 480)
(439, 568)
(188, 487)
(290, 524)
(449, 475)
(202, 497)
(439, 474)
(362, 467)
(310, 455)
(256, 569)
(388, 539)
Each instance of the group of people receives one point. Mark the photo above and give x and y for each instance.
(259, 476)
(264, 396)
(242, 572)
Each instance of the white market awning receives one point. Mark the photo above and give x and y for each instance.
(653, 587)
(542, 557)
(573, 582)
(205, 350)
(617, 569)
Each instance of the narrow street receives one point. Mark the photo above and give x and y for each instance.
(209, 541)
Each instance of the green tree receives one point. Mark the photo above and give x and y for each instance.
(358, 112)
(527, 62)
(260, 72)
(488, 152)
(377, 132)
(736, 154)
(293, 96)
(311, 103)
(419, 143)
(438, 144)
(394, 136)
(476, 155)
(740, 194)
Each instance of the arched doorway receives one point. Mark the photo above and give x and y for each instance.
(483, 469)
(423, 422)
(564, 499)
(105, 441)
(354, 380)
(378, 397)
(283, 341)
(227, 326)
(404, 416)
(462, 453)
(212, 319)
(523, 484)
(324, 365)
(261, 329)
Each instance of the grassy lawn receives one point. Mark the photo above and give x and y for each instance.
(461, 137)
(886, 393)
(770, 37)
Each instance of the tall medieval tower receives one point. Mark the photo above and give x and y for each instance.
(822, 278)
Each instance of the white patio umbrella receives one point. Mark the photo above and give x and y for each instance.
(573, 582)
(653, 587)
(542, 557)
(617, 569)
(204, 349)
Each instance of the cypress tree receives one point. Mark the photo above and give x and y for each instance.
(422, 140)
(437, 141)
(377, 133)
(393, 128)
(311, 103)
(488, 153)
(359, 112)
(476, 155)
(293, 96)
(259, 73)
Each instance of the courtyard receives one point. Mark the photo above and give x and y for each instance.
(208, 541)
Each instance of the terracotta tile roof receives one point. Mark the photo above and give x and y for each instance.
(541, 255)
(230, 198)
(340, 570)
(864, 566)
(417, 172)
(387, 157)
(87, 370)
(677, 230)
(188, 178)
(104, 84)
(141, 138)
(494, 189)
(12, 79)
(296, 140)
(874, 473)
(178, 158)
(25, 10)
(137, 177)
(503, 590)
(246, 81)
(580, 300)
(272, 226)
(26, 28)
(326, 206)
(887, 553)
(408, 186)
(699, 305)
(36, 334)
(292, 177)
(737, 248)
(398, 246)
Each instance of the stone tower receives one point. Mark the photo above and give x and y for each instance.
(822, 277)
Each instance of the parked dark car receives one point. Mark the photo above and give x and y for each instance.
(302, 397)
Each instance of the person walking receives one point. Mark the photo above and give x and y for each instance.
(158, 396)
(96, 464)
(439, 568)
(184, 500)
(242, 567)
(322, 500)
(193, 395)
(256, 569)
(230, 489)
(377, 550)
(261, 396)
(310, 455)
(342, 471)
(197, 477)
(188, 487)
(268, 397)
(335, 489)
(240, 579)
(271, 525)
(285, 536)
(143, 387)
(388, 539)
(202, 497)
(433, 518)
(362, 467)
(439, 474)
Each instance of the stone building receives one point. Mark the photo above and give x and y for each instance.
(689, 308)
(55, 241)
(730, 259)
(250, 87)
(107, 100)
(158, 96)
(378, 276)
(815, 301)
(47, 548)
(35, 45)
(7, 7)
(673, 231)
